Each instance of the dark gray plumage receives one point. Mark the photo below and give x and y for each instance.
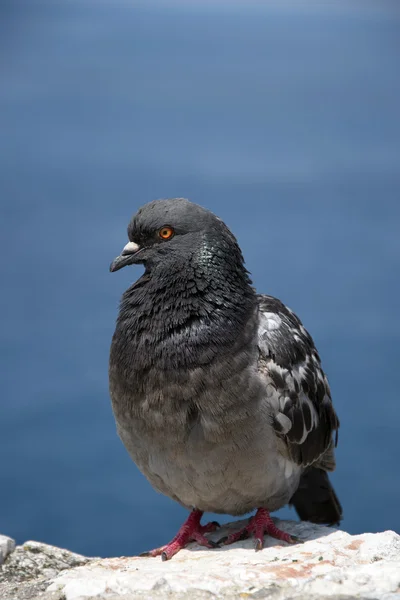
(218, 393)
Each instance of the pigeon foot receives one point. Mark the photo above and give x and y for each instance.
(191, 531)
(258, 526)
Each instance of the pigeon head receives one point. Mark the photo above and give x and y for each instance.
(169, 231)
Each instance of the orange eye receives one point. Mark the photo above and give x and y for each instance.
(166, 233)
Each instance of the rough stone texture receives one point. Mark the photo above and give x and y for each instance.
(30, 568)
(7, 545)
(330, 564)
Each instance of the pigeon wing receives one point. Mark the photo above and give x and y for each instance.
(303, 414)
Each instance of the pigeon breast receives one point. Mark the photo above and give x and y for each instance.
(200, 375)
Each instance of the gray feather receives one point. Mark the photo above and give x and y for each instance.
(206, 378)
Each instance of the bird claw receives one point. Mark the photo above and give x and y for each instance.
(210, 527)
(258, 544)
(259, 525)
(222, 540)
(294, 539)
(191, 531)
(153, 553)
(170, 550)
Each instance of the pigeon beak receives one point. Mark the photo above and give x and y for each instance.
(127, 257)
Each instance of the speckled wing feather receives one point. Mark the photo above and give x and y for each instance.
(301, 402)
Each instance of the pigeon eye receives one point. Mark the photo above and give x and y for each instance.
(166, 233)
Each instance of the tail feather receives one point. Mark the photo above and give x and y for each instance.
(315, 499)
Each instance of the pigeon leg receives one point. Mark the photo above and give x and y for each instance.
(191, 531)
(259, 525)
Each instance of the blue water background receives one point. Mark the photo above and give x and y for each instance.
(285, 121)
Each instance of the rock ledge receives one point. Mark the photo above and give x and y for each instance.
(330, 564)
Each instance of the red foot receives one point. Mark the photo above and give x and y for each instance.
(191, 531)
(259, 525)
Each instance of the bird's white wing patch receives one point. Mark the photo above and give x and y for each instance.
(300, 398)
(269, 321)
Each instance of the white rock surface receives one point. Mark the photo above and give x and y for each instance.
(330, 564)
(7, 545)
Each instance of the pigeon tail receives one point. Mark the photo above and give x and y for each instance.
(315, 499)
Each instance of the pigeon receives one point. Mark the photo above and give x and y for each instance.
(217, 391)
